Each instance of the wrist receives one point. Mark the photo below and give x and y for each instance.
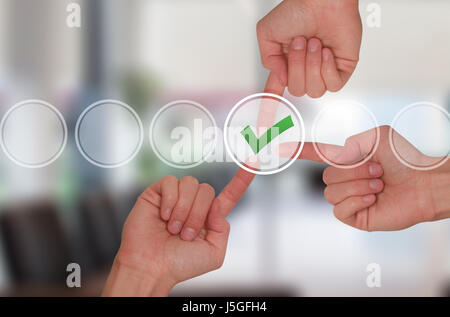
(127, 281)
(440, 197)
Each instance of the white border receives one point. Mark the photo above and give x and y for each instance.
(286, 102)
(155, 148)
(391, 135)
(58, 114)
(314, 127)
(80, 119)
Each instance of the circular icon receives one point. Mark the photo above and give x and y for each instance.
(345, 134)
(427, 126)
(33, 134)
(109, 133)
(183, 134)
(264, 134)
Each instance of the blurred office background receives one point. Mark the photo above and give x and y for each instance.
(150, 52)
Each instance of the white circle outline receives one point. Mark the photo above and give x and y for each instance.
(62, 121)
(241, 102)
(122, 104)
(391, 135)
(153, 123)
(326, 160)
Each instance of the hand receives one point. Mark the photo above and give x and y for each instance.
(177, 230)
(383, 194)
(311, 45)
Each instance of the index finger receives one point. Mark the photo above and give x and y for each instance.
(267, 109)
(152, 194)
(308, 152)
(340, 154)
(356, 148)
(273, 85)
(234, 191)
(273, 58)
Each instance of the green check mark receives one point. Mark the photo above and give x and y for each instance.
(277, 129)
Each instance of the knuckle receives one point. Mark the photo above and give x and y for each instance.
(295, 58)
(326, 194)
(194, 222)
(316, 94)
(227, 226)
(169, 178)
(314, 63)
(296, 91)
(265, 62)
(336, 212)
(180, 212)
(352, 189)
(334, 88)
(321, 93)
(219, 262)
(384, 129)
(361, 171)
(150, 196)
(326, 176)
(189, 180)
(208, 188)
(259, 28)
(170, 198)
(315, 66)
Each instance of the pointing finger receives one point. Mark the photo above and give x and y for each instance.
(234, 191)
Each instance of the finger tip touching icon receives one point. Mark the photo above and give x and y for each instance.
(254, 128)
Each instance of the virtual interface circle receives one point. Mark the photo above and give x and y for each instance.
(420, 136)
(256, 130)
(109, 133)
(183, 134)
(345, 134)
(33, 134)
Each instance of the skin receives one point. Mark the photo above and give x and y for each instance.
(153, 256)
(383, 194)
(311, 46)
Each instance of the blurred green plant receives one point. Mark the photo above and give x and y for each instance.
(139, 91)
(68, 186)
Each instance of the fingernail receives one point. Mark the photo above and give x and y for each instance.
(175, 227)
(374, 184)
(313, 45)
(299, 44)
(374, 169)
(368, 198)
(166, 214)
(188, 234)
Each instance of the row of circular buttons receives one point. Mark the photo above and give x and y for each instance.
(88, 121)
